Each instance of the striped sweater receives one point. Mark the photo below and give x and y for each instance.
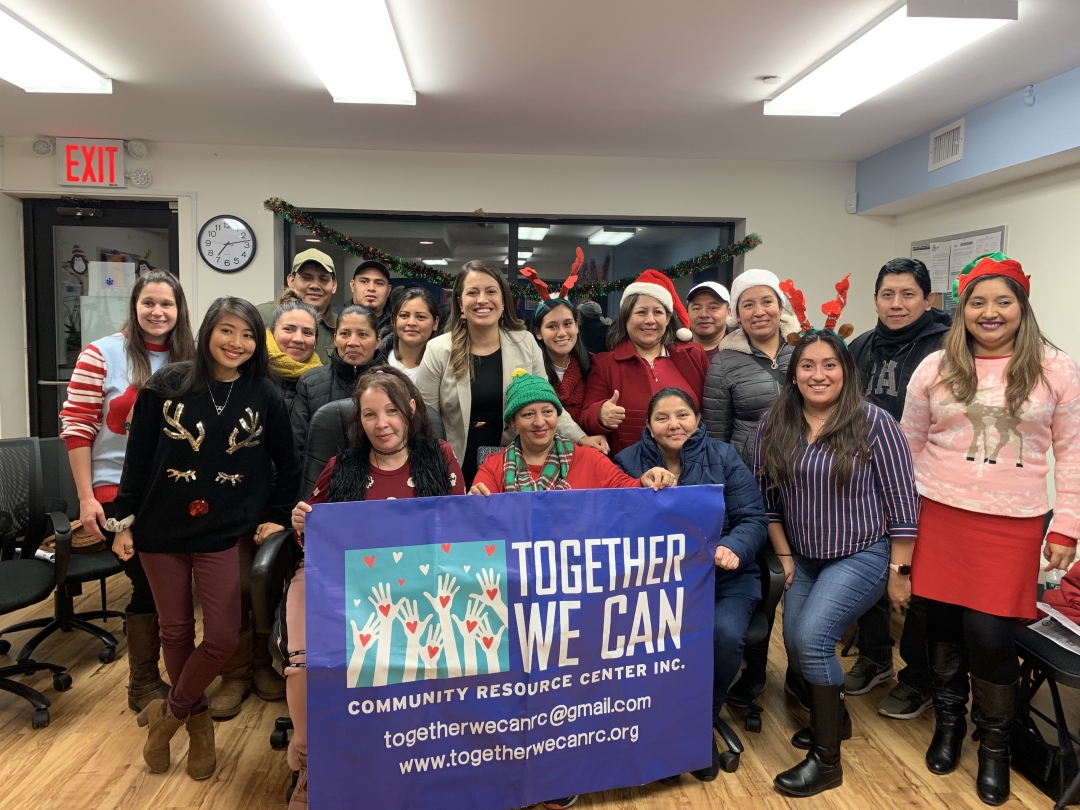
(98, 408)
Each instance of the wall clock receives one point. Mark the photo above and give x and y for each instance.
(227, 243)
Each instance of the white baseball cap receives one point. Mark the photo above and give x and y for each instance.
(714, 286)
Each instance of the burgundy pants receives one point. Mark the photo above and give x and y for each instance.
(217, 577)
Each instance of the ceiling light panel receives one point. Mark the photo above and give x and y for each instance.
(894, 49)
(327, 32)
(32, 61)
(533, 233)
(612, 236)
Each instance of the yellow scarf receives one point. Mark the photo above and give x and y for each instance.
(284, 366)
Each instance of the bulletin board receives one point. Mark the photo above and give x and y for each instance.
(946, 256)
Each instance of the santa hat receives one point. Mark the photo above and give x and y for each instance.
(991, 264)
(659, 286)
(752, 278)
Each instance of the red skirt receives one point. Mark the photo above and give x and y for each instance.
(988, 563)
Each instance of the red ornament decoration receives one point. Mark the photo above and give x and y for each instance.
(198, 508)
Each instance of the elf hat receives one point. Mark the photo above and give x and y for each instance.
(990, 264)
(525, 389)
(659, 286)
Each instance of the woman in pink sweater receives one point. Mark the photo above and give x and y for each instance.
(981, 415)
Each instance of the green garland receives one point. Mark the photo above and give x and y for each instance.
(297, 217)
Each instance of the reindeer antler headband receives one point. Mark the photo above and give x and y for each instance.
(831, 309)
(542, 287)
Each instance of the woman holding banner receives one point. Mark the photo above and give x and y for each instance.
(392, 455)
(836, 476)
(674, 438)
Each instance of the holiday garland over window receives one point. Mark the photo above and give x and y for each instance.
(297, 217)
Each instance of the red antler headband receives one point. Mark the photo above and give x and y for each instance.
(831, 309)
(542, 286)
(798, 303)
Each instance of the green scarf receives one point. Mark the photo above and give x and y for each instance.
(284, 366)
(516, 476)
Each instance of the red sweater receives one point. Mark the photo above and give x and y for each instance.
(589, 469)
(625, 371)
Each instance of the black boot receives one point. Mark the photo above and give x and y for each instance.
(993, 711)
(821, 770)
(949, 688)
(804, 738)
(710, 773)
(751, 682)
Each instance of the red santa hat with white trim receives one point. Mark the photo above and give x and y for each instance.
(656, 284)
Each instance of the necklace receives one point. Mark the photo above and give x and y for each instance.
(821, 419)
(562, 368)
(220, 408)
(387, 453)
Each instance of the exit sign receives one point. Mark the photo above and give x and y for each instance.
(90, 163)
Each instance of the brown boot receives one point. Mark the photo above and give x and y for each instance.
(144, 649)
(202, 755)
(163, 725)
(299, 794)
(266, 682)
(235, 682)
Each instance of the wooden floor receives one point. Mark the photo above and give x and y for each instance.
(90, 755)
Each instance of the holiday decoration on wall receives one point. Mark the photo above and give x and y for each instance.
(433, 275)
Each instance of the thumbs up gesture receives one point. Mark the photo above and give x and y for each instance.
(611, 412)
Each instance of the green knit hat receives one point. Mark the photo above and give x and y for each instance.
(525, 389)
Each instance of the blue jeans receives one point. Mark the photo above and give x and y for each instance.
(825, 597)
(731, 618)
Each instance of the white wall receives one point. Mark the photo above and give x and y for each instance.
(14, 414)
(1042, 214)
(798, 208)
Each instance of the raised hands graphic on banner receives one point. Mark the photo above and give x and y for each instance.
(384, 587)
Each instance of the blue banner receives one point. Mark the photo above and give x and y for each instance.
(488, 653)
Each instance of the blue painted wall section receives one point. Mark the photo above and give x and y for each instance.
(1003, 133)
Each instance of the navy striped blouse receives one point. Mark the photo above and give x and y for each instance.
(824, 523)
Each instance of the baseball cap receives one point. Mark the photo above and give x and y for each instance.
(715, 286)
(369, 264)
(316, 256)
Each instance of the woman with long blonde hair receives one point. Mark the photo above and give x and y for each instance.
(981, 416)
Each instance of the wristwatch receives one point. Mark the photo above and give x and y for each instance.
(902, 570)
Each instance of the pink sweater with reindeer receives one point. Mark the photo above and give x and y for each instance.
(980, 458)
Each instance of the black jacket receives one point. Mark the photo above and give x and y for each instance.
(327, 383)
(928, 341)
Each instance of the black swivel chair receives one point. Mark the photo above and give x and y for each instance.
(25, 580)
(772, 588)
(82, 568)
(327, 433)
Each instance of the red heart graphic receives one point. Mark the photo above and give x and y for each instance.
(492, 593)
(364, 639)
(490, 550)
(444, 600)
(401, 582)
(432, 652)
(411, 626)
(370, 561)
(384, 610)
(445, 547)
(487, 642)
(470, 626)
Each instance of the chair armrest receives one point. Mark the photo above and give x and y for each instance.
(61, 528)
(772, 579)
(262, 570)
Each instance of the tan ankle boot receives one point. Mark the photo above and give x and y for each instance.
(235, 682)
(163, 725)
(266, 681)
(299, 794)
(202, 755)
(144, 649)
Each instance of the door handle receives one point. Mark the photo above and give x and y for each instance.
(53, 383)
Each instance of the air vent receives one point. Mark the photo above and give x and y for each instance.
(946, 145)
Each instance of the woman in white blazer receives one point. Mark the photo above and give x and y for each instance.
(466, 371)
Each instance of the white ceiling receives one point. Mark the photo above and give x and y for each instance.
(676, 78)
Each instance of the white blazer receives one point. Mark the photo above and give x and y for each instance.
(453, 398)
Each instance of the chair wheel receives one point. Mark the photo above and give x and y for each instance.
(753, 723)
(107, 655)
(5, 645)
(61, 682)
(279, 739)
(729, 762)
(40, 718)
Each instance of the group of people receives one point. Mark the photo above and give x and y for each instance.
(907, 471)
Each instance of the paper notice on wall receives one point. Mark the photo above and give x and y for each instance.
(961, 252)
(987, 243)
(111, 278)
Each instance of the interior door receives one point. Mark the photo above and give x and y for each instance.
(82, 258)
